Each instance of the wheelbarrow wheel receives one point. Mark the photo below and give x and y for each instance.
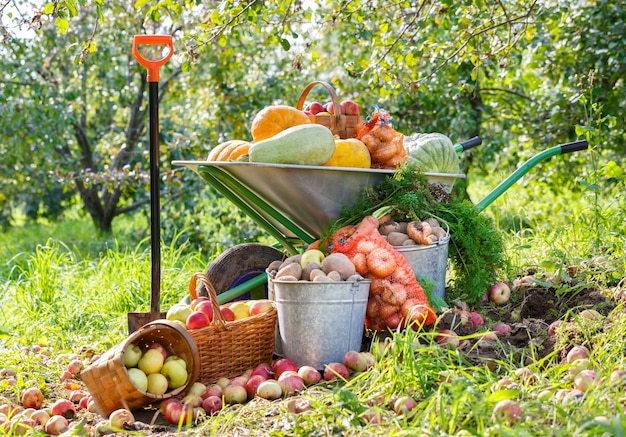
(239, 264)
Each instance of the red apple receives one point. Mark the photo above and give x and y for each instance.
(197, 320)
(309, 375)
(577, 353)
(40, 416)
(205, 307)
(63, 407)
(122, 419)
(264, 370)
(32, 398)
(336, 370)
(372, 416)
(260, 306)
(83, 403)
(75, 366)
(76, 395)
(193, 399)
(283, 364)
(239, 380)
(213, 390)
(403, 405)
(21, 425)
(507, 411)
(212, 405)
(252, 384)
(586, 380)
(330, 108)
(290, 383)
(618, 376)
(56, 425)
(348, 107)
(502, 328)
(227, 313)
(355, 361)
(194, 303)
(499, 293)
(66, 375)
(553, 327)
(315, 108)
(448, 338)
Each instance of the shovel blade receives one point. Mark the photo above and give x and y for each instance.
(137, 320)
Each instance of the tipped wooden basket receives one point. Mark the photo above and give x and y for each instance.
(227, 349)
(339, 124)
(107, 378)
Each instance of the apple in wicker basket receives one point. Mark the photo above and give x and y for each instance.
(260, 306)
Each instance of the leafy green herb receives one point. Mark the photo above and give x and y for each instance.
(476, 248)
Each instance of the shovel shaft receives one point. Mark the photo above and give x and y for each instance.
(524, 168)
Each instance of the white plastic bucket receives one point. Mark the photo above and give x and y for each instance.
(320, 321)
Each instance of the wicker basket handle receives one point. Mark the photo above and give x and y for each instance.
(218, 319)
(331, 92)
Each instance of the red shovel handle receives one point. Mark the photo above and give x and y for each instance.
(152, 65)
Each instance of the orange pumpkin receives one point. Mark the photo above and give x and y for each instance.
(229, 150)
(275, 119)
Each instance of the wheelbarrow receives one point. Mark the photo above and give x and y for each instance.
(272, 195)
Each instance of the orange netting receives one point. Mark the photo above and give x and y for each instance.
(396, 299)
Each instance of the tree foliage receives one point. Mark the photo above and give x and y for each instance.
(522, 75)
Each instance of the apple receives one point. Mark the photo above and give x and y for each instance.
(499, 293)
(290, 383)
(618, 376)
(589, 315)
(252, 384)
(65, 375)
(74, 367)
(586, 379)
(371, 360)
(264, 370)
(476, 319)
(372, 416)
(40, 416)
(158, 346)
(309, 375)
(577, 353)
(355, 361)
(122, 419)
(151, 361)
(76, 395)
(180, 414)
(175, 373)
(227, 313)
(32, 398)
(213, 390)
(178, 311)
(502, 328)
(239, 380)
(178, 359)
(194, 303)
(315, 108)
(56, 425)
(63, 407)
(330, 107)
(84, 402)
(333, 371)
(235, 394)
(132, 354)
(312, 256)
(212, 405)
(240, 309)
(524, 374)
(553, 328)
(448, 338)
(403, 405)
(138, 378)
(92, 407)
(197, 320)
(322, 113)
(348, 107)
(270, 390)
(222, 382)
(260, 306)
(205, 307)
(507, 411)
(283, 364)
(197, 388)
(193, 399)
(21, 425)
(157, 384)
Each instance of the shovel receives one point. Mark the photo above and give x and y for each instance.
(137, 320)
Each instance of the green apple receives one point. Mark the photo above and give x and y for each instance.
(312, 256)
(151, 361)
(132, 354)
(178, 359)
(175, 373)
(138, 378)
(157, 384)
(178, 311)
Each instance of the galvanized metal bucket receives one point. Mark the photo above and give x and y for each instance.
(430, 261)
(320, 321)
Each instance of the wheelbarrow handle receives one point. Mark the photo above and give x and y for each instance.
(468, 144)
(525, 167)
(152, 65)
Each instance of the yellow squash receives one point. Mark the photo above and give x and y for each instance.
(350, 153)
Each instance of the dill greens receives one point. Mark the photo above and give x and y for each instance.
(476, 249)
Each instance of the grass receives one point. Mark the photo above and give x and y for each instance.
(65, 290)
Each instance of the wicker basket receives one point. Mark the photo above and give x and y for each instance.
(227, 349)
(341, 125)
(107, 378)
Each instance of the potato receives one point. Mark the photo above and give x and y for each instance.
(293, 259)
(321, 278)
(409, 242)
(274, 267)
(290, 269)
(388, 227)
(432, 222)
(315, 273)
(439, 231)
(402, 227)
(288, 278)
(307, 269)
(397, 238)
(338, 262)
(334, 275)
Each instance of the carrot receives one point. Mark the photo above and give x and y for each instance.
(314, 245)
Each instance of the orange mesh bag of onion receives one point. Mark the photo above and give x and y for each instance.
(396, 299)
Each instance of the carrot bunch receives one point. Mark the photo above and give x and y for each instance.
(396, 299)
(385, 144)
